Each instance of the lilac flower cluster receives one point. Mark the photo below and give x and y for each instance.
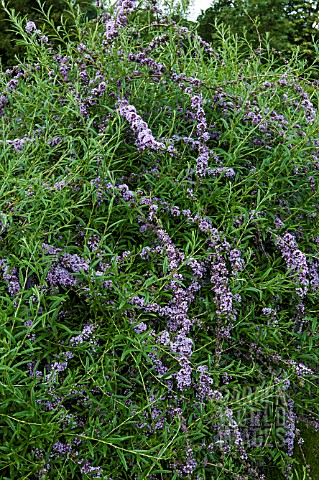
(296, 262)
(85, 102)
(198, 115)
(104, 188)
(61, 271)
(177, 309)
(290, 427)
(141, 58)
(86, 468)
(93, 242)
(31, 28)
(3, 102)
(229, 434)
(278, 223)
(54, 141)
(58, 367)
(160, 368)
(314, 274)
(156, 42)
(185, 32)
(237, 262)
(145, 138)
(182, 346)
(306, 105)
(99, 90)
(140, 327)
(74, 262)
(202, 135)
(272, 314)
(60, 276)
(32, 371)
(204, 384)
(181, 79)
(219, 277)
(189, 464)
(199, 269)
(87, 335)
(30, 336)
(11, 87)
(266, 120)
(118, 20)
(300, 369)
(18, 143)
(54, 402)
(228, 172)
(64, 66)
(177, 318)
(158, 418)
(68, 450)
(174, 256)
(12, 278)
(223, 296)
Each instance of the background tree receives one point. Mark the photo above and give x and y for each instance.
(305, 20)
(289, 24)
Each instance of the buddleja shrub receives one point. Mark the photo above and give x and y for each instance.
(159, 254)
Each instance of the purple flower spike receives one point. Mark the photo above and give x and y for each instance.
(145, 138)
(296, 261)
(31, 28)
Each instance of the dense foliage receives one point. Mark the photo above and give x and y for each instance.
(10, 45)
(289, 25)
(159, 254)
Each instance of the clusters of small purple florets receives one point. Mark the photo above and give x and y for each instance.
(31, 28)
(118, 20)
(296, 262)
(166, 317)
(11, 87)
(145, 138)
(12, 279)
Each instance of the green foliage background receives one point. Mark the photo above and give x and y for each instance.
(10, 47)
(289, 25)
(62, 175)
